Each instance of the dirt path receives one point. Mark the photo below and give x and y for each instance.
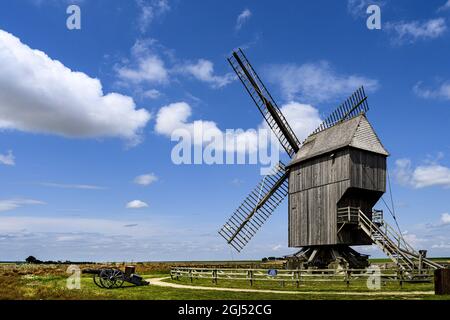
(160, 282)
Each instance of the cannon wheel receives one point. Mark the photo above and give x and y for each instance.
(111, 278)
(97, 280)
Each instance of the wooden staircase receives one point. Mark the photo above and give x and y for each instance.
(387, 239)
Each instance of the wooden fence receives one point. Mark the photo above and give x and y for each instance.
(299, 276)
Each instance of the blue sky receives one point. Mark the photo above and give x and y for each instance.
(85, 149)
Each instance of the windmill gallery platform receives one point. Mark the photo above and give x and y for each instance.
(334, 179)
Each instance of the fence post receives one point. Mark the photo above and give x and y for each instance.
(250, 276)
(401, 278)
(190, 275)
(297, 277)
(347, 277)
(215, 276)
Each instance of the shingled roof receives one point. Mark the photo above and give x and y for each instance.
(356, 132)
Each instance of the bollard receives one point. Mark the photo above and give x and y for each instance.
(442, 281)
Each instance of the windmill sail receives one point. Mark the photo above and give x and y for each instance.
(352, 107)
(264, 101)
(256, 208)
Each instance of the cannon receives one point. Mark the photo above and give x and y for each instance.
(110, 278)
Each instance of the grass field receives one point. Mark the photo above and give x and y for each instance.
(48, 282)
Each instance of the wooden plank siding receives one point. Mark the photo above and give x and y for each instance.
(318, 185)
(368, 170)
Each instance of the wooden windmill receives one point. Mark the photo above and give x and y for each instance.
(334, 179)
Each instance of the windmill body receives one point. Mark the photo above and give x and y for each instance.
(334, 179)
(343, 166)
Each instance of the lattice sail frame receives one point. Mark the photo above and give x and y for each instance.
(265, 103)
(248, 218)
(352, 107)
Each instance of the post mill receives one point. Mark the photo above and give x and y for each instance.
(333, 181)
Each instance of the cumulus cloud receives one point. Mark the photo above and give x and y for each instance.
(316, 82)
(8, 159)
(146, 179)
(422, 176)
(203, 70)
(146, 65)
(303, 119)
(242, 18)
(11, 204)
(151, 69)
(136, 204)
(152, 63)
(41, 95)
(440, 92)
(176, 116)
(412, 31)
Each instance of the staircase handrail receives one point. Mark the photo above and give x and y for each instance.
(385, 235)
(405, 252)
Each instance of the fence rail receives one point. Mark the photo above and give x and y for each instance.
(298, 276)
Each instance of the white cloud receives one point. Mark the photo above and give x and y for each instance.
(146, 65)
(7, 159)
(172, 117)
(146, 179)
(303, 119)
(152, 63)
(11, 204)
(150, 69)
(422, 176)
(136, 204)
(441, 92)
(413, 239)
(441, 246)
(152, 94)
(41, 95)
(72, 186)
(357, 8)
(203, 70)
(243, 17)
(445, 7)
(277, 247)
(411, 31)
(445, 219)
(149, 11)
(176, 116)
(316, 82)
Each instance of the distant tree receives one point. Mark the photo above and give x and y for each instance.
(32, 259)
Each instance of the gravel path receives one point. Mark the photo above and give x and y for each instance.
(160, 282)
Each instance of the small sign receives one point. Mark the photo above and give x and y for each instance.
(272, 272)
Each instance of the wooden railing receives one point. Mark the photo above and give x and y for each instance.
(297, 276)
(348, 215)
